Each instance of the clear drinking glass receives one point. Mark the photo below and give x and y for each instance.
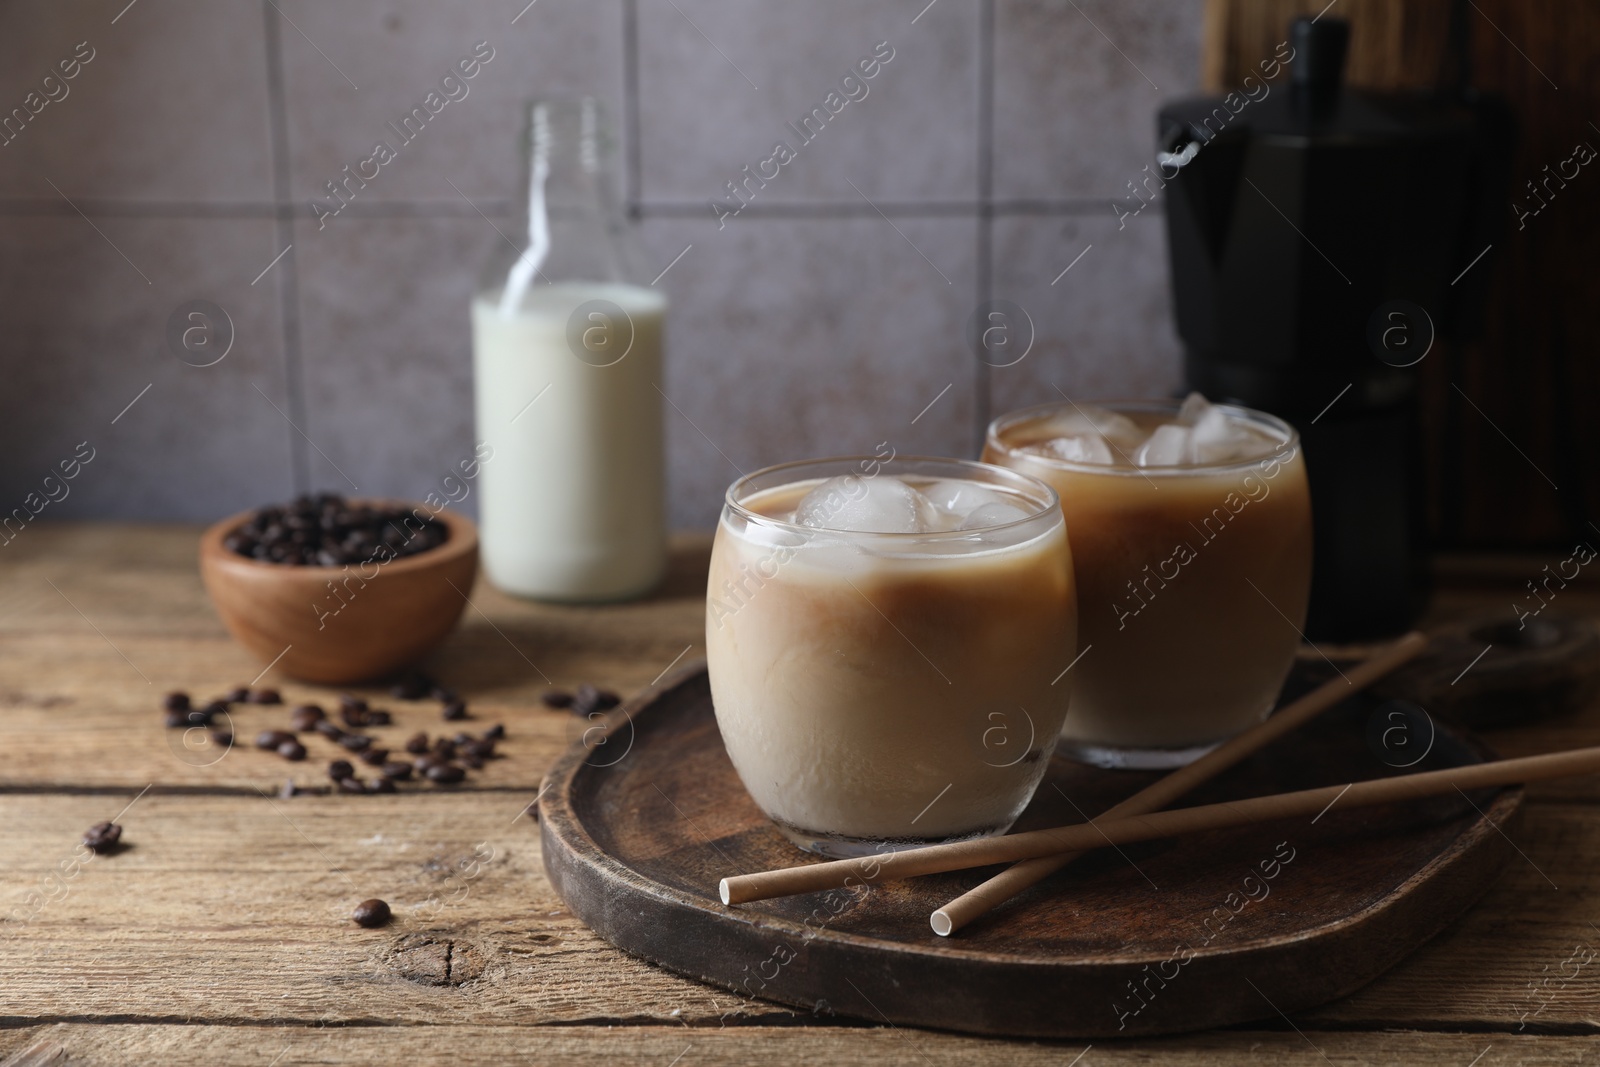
(878, 690)
(1192, 583)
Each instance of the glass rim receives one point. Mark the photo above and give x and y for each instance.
(1045, 500)
(1288, 437)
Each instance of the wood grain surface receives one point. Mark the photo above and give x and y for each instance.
(221, 933)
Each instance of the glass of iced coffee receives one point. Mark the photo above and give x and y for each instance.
(1190, 527)
(885, 639)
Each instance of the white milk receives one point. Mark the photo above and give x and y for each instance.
(572, 504)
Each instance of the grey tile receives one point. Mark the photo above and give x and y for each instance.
(1077, 86)
(171, 106)
(397, 51)
(86, 334)
(793, 339)
(719, 86)
(387, 352)
(1105, 329)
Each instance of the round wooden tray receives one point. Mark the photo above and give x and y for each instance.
(640, 820)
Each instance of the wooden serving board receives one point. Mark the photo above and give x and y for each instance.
(642, 817)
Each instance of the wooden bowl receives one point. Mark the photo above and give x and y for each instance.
(337, 625)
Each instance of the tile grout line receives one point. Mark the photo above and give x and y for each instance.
(289, 275)
(982, 375)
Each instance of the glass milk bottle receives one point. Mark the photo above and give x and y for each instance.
(566, 350)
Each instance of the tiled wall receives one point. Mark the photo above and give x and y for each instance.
(826, 317)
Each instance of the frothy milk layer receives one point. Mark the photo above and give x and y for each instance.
(888, 687)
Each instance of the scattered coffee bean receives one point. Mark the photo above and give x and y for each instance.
(340, 768)
(417, 744)
(444, 747)
(222, 738)
(380, 785)
(442, 694)
(399, 770)
(176, 701)
(214, 709)
(313, 712)
(429, 761)
(350, 700)
(175, 719)
(472, 761)
(379, 717)
(376, 757)
(329, 729)
(455, 711)
(411, 687)
(327, 530)
(446, 774)
(292, 750)
(265, 696)
(102, 837)
(355, 742)
(304, 719)
(556, 698)
(590, 700)
(238, 694)
(479, 749)
(351, 785)
(495, 732)
(273, 738)
(353, 716)
(371, 913)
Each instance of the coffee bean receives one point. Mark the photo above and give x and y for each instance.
(455, 711)
(176, 701)
(444, 747)
(411, 687)
(355, 742)
(327, 530)
(462, 738)
(273, 738)
(446, 774)
(222, 738)
(442, 694)
(479, 749)
(303, 720)
(379, 717)
(427, 762)
(102, 837)
(556, 698)
(353, 716)
(351, 785)
(472, 761)
(292, 750)
(397, 769)
(265, 696)
(329, 729)
(377, 757)
(495, 732)
(589, 700)
(214, 709)
(380, 785)
(371, 913)
(350, 700)
(417, 744)
(340, 768)
(176, 719)
(238, 694)
(313, 712)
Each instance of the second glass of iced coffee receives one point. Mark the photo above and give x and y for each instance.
(1191, 533)
(885, 639)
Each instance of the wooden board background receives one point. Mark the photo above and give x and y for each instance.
(224, 925)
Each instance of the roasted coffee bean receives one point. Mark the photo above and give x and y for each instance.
(328, 530)
(350, 700)
(176, 701)
(454, 711)
(329, 729)
(304, 720)
(379, 717)
(273, 738)
(444, 747)
(313, 712)
(351, 785)
(417, 744)
(411, 687)
(102, 837)
(397, 769)
(556, 698)
(292, 750)
(222, 738)
(340, 768)
(265, 696)
(442, 694)
(214, 709)
(428, 761)
(371, 913)
(446, 774)
(495, 732)
(176, 719)
(375, 756)
(472, 761)
(238, 694)
(380, 785)
(355, 742)
(589, 699)
(353, 716)
(479, 749)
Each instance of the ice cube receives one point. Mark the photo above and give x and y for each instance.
(1193, 409)
(1087, 447)
(959, 497)
(997, 513)
(1169, 446)
(1088, 420)
(866, 505)
(1219, 438)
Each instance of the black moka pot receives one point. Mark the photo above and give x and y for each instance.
(1314, 234)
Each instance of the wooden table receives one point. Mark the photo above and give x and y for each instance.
(222, 933)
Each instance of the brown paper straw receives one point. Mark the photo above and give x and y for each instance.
(1008, 883)
(1081, 837)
